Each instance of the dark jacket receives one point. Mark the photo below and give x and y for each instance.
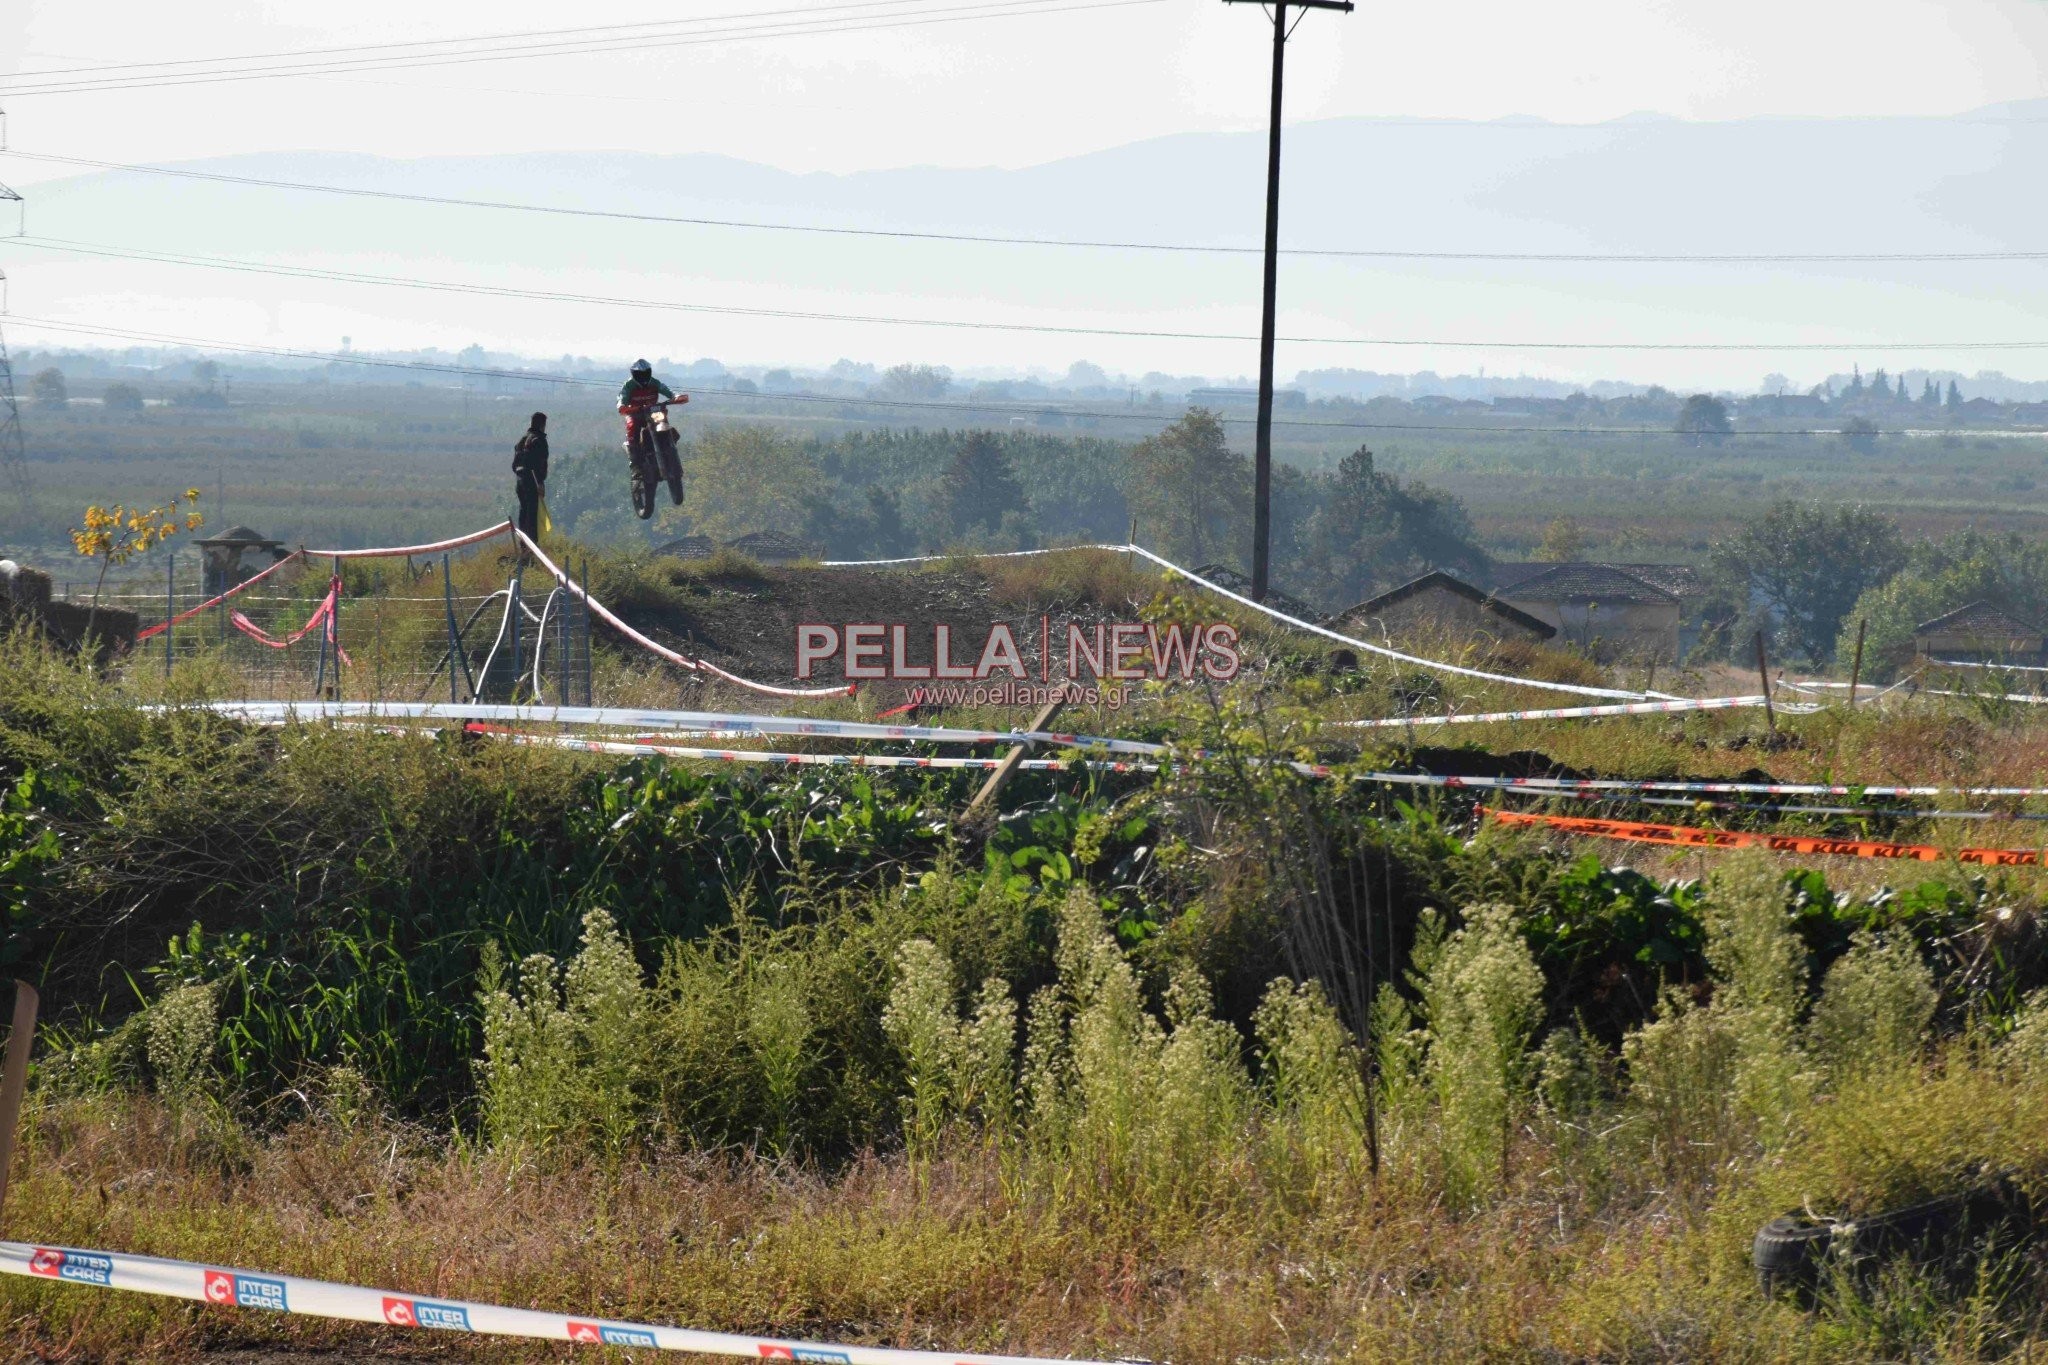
(530, 456)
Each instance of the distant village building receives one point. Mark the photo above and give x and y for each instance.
(688, 547)
(1244, 398)
(771, 547)
(1980, 633)
(1438, 604)
(1223, 576)
(1604, 609)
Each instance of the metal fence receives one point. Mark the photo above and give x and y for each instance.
(397, 630)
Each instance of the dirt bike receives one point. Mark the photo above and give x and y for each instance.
(651, 447)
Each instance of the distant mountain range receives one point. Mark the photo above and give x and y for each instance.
(1962, 184)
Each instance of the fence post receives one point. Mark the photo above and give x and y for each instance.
(170, 604)
(454, 639)
(583, 605)
(564, 663)
(1856, 668)
(514, 607)
(1763, 677)
(334, 624)
(14, 1075)
(320, 670)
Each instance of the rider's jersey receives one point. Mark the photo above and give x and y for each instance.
(635, 394)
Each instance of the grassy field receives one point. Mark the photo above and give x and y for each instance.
(1215, 1064)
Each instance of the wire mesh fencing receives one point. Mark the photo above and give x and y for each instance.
(402, 630)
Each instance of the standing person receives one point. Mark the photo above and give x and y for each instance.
(530, 465)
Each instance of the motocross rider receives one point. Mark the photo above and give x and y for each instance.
(639, 395)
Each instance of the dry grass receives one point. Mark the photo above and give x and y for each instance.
(967, 1254)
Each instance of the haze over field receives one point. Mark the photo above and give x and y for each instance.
(1901, 126)
(1638, 185)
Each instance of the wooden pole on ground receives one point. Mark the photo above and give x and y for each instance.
(1763, 674)
(14, 1075)
(1856, 668)
(984, 800)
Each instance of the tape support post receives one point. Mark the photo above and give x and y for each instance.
(226, 1287)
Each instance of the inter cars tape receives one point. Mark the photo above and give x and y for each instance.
(603, 746)
(226, 1287)
(1633, 708)
(722, 722)
(1686, 836)
(1281, 616)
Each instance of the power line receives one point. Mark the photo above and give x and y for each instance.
(1006, 408)
(965, 324)
(643, 26)
(849, 24)
(758, 225)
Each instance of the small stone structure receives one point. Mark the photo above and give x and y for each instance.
(231, 557)
(1439, 604)
(25, 601)
(1611, 613)
(1981, 633)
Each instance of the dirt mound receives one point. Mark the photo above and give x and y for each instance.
(747, 621)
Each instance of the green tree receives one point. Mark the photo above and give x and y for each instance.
(1955, 396)
(1191, 493)
(124, 398)
(1369, 530)
(1860, 435)
(749, 478)
(48, 387)
(1807, 563)
(1703, 417)
(1564, 540)
(914, 383)
(1940, 576)
(980, 487)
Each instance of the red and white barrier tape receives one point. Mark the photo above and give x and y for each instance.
(190, 612)
(1553, 785)
(400, 551)
(1281, 616)
(1634, 708)
(604, 746)
(604, 613)
(718, 722)
(322, 615)
(230, 1288)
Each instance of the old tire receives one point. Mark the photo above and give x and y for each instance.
(1788, 1250)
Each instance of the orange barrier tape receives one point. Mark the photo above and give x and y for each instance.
(1687, 836)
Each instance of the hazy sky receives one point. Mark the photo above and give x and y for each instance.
(1019, 91)
(1006, 91)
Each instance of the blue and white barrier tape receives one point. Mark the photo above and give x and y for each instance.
(224, 1287)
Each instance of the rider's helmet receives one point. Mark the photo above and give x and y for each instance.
(642, 370)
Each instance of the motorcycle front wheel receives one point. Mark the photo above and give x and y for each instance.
(672, 470)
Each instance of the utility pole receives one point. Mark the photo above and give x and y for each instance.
(1262, 458)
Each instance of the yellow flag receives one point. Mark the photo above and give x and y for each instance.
(544, 523)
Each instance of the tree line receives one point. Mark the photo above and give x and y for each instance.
(1337, 537)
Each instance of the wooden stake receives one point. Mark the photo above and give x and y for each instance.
(1763, 674)
(1856, 668)
(14, 1076)
(985, 799)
